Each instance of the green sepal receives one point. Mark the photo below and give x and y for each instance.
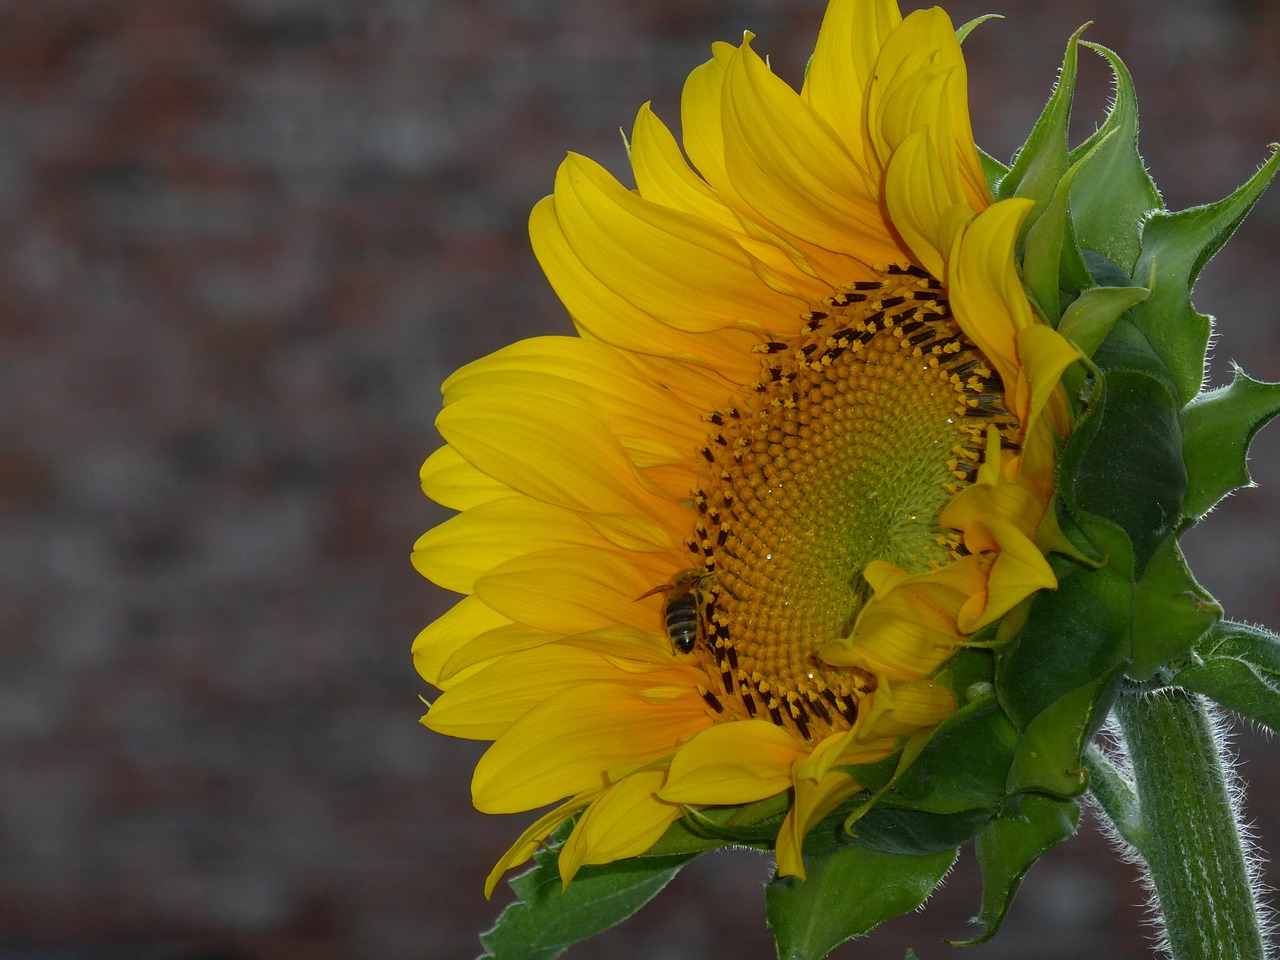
(1048, 756)
(940, 787)
(547, 920)
(1088, 320)
(992, 170)
(1176, 246)
(751, 824)
(1171, 612)
(1126, 464)
(878, 776)
(1057, 678)
(1239, 667)
(1104, 543)
(971, 670)
(963, 31)
(1041, 161)
(965, 764)
(1127, 348)
(892, 829)
(1133, 473)
(1074, 636)
(862, 804)
(846, 894)
(1073, 271)
(1217, 428)
(1009, 845)
(1113, 194)
(1049, 243)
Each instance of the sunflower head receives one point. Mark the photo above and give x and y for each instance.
(780, 548)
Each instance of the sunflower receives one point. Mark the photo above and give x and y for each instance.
(716, 548)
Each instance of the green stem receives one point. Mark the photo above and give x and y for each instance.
(1187, 831)
(1114, 794)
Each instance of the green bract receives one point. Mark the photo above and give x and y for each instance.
(1148, 456)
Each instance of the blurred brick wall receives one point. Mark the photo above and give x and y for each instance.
(241, 244)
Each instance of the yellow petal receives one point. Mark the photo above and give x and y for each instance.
(835, 85)
(1005, 500)
(1045, 355)
(514, 774)
(908, 628)
(702, 121)
(452, 482)
(732, 763)
(449, 633)
(625, 822)
(572, 590)
(901, 709)
(924, 211)
(533, 837)
(628, 401)
(813, 801)
(921, 81)
(663, 176)
(686, 272)
(1020, 569)
(465, 547)
(986, 292)
(539, 453)
(601, 313)
(498, 696)
(491, 644)
(796, 173)
(630, 649)
(603, 379)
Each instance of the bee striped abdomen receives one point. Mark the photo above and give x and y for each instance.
(688, 605)
(681, 617)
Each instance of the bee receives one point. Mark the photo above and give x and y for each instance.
(680, 611)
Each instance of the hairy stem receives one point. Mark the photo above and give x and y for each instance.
(1187, 831)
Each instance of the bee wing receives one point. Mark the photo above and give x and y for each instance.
(661, 588)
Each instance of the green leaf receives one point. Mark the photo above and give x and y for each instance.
(544, 922)
(1113, 194)
(1008, 847)
(847, 894)
(1177, 246)
(1171, 612)
(1217, 428)
(1239, 667)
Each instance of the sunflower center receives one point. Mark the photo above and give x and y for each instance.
(860, 429)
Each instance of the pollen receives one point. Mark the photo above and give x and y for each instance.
(857, 432)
